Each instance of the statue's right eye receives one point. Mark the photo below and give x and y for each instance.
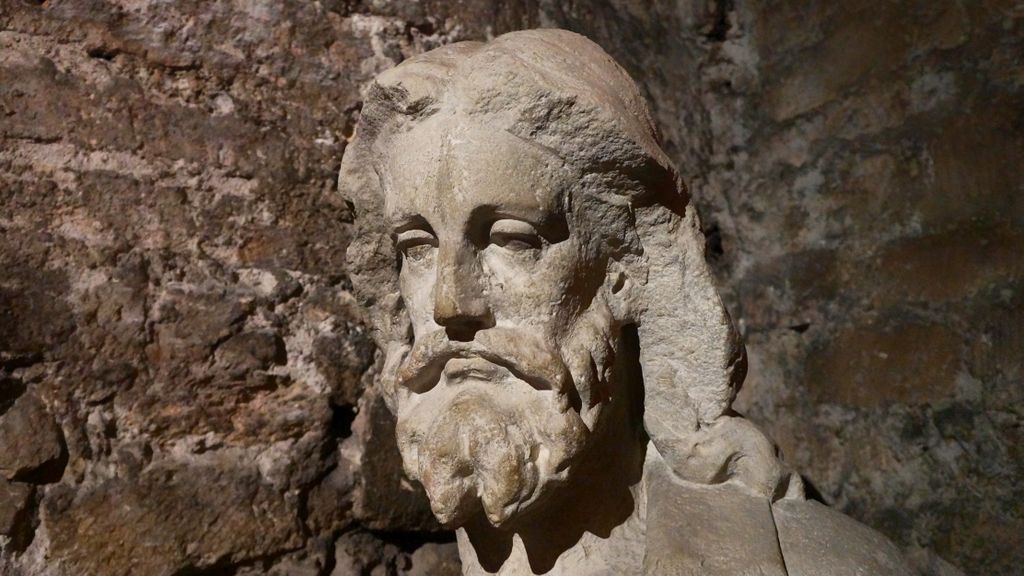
(416, 245)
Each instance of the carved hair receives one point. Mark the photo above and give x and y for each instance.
(561, 91)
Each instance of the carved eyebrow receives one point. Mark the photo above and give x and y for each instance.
(404, 222)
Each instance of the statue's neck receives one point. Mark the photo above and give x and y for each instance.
(619, 551)
(554, 546)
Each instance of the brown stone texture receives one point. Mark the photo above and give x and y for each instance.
(30, 441)
(186, 371)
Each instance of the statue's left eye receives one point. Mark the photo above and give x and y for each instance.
(515, 235)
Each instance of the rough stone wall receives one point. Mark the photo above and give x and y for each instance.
(185, 379)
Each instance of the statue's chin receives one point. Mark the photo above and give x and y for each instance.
(492, 454)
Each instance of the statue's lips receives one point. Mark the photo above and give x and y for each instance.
(521, 352)
(460, 369)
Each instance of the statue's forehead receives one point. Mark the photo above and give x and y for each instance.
(450, 164)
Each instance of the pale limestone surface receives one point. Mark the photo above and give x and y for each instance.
(560, 364)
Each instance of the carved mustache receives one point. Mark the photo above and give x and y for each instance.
(526, 355)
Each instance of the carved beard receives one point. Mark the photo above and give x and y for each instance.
(496, 423)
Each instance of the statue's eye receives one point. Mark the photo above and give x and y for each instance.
(417, 252)
(416, 245)
(515, 235)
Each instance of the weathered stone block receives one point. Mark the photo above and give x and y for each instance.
(810, 534)
(171, 519)
(699, 530)
(14, 501)
(31, 443)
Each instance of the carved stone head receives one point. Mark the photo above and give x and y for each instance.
(516, 216)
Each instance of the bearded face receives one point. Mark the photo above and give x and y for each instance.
(501, 390)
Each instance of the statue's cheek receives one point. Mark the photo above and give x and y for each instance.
(548, 286)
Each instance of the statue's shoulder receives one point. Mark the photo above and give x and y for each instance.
(819, 541)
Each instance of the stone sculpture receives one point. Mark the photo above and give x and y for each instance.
(559, 361)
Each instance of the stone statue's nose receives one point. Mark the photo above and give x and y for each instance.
(460, 305)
